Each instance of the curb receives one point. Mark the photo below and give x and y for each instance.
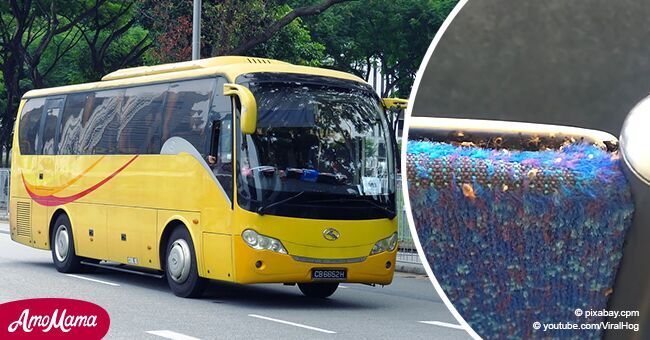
(409, 267)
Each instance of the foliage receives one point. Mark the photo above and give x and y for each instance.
(227, 25)
(170, 22)
(33, 33)
(293, 43)
(393, 34)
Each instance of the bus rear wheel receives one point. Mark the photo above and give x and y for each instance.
(318, 289)
(62, 244)
(180, 265)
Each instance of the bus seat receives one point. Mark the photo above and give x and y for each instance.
(521, 234)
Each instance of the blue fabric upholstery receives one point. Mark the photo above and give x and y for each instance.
(515, 237)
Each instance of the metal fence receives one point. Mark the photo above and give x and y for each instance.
(4, 193)
(407, 251)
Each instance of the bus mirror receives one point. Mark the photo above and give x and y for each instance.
(400, 104)
(248, 119)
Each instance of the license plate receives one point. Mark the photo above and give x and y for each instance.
(329, 274)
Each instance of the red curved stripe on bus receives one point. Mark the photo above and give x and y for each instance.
(51, 200)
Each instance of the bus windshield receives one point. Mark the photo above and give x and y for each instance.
(321, 150)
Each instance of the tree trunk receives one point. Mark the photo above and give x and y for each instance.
(5, 161)
(12, 87)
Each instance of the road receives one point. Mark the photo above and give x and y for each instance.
(143, 307)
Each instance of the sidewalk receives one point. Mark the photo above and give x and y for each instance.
(409, 263)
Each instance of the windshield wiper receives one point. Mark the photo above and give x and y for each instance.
(264, 207)
(390, 214)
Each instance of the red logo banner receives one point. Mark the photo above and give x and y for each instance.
(53, 318)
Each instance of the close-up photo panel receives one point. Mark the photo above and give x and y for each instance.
(527, 168)
(211, 169)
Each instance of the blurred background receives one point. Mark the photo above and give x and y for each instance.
(581, 63)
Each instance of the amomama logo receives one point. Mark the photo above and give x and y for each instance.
(64, 322)
(52, 318)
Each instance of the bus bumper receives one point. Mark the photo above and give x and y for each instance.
(282, 268)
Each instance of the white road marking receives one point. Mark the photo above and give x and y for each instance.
(443, 324)
(172, 335)
(94, 280)
(292, 324)
(340, 286)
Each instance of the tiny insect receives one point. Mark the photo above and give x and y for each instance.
(532, 173)
(497, 142)
(534, 141)
(468, 191)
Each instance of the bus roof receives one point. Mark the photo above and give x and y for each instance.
(231, 67)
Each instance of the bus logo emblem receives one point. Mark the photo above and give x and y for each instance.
(331, 234)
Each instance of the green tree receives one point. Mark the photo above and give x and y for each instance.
(49, 43)
(390, 34)
(269, 28)
(32, 32)
(113, 38)
(293, 43)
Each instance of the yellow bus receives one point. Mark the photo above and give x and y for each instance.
(236, 169)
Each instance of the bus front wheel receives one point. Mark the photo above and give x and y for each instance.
(62, 244)
(318, 289)
(180, 265)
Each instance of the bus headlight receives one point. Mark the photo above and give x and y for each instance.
(261, 242)
(387, 244)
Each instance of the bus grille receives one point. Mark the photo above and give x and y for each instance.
(23, 217)
(329, 261)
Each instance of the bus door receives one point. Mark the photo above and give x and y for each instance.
(47, 182)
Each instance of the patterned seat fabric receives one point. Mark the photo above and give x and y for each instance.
(516, 237)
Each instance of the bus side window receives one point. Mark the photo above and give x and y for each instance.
(220, 157)
(219, 140)
(225, 142)
(53, 108)
(30, 124)
(214, 144)
(70, 130)
(140, 120)
(186, 112)
(99, 133)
